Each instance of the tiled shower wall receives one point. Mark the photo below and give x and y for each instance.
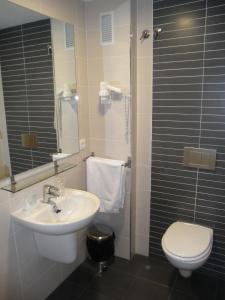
(27, 77)
(24, 274)
(189, 110)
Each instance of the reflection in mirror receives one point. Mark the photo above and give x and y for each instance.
(38, 100)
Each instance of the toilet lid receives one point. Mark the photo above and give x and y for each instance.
(187, 240)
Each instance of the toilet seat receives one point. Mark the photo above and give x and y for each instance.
(188, 259)
(187, 241)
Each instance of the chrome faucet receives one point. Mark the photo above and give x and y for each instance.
(50, 192)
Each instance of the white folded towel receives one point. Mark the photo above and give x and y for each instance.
(106, 179)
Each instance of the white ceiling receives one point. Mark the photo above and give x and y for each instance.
(12, 15)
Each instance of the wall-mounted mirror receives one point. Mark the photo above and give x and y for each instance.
(38, 100)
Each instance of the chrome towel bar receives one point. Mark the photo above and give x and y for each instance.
(126, 165)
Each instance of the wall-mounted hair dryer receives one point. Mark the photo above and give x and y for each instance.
(105, 92)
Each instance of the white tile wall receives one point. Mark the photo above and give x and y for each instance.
(24, 275)
(108, 127)
(16, 246)
(108, 63)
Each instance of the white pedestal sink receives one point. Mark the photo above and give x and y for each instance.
(55, 234)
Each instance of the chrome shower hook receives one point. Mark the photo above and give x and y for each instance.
(145, 34)
(157, 32)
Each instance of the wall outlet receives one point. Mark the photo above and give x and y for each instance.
(82, 144)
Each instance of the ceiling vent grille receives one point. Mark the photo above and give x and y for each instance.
(107, 28)
(69, 36)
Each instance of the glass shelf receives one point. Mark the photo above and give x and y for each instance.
(34, 179)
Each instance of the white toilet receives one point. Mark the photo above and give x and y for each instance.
(187, 246)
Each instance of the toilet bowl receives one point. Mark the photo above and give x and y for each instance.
(187, 246)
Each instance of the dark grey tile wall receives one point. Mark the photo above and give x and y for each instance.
(28, 86)
(189, 110)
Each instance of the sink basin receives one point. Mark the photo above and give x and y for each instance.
(56, 234)
(78, 208)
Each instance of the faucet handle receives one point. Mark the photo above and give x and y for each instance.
(47, 187)
(51, 190)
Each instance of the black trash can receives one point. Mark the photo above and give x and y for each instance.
(100, 245)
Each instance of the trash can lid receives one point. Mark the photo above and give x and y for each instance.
(99, 232)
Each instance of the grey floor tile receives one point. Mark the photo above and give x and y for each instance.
(68, 291)
(131, 267)
(176, 295)
(139, 279)
(198, 286)
(221, 290)
(143, 289)
(113, 283)
(93, 295)
(83, 275)
(158, 271)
